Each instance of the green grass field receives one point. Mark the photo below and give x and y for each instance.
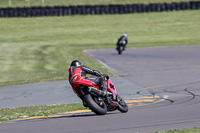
(41, 49)
(27, 3)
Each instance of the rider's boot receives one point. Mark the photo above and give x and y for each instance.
(111, 102)
(104, 88)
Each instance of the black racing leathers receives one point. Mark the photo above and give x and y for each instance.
(123, 40)
(86, 70)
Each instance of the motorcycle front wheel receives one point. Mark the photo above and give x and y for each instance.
(122, 105)
(98, 108)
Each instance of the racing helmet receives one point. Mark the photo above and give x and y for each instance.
(76, 63)
(125, 34)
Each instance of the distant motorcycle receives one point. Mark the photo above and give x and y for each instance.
(121, 43)
(98, 101)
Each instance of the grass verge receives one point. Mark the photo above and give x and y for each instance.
(44, 110)
(193, 130)
(41, 49)
(28, 3)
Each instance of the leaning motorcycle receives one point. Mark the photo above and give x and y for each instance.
(99, 102)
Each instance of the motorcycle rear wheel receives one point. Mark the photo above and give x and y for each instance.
(96, 108)
(120, 49)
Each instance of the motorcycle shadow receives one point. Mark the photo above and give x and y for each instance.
(90, 114)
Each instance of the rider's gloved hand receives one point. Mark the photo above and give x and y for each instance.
(105, 76)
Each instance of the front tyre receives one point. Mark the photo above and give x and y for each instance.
(98, 108)
(122, 105)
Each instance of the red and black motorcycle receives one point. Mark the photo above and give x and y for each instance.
(99, 102)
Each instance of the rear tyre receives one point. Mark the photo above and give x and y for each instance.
(120, 49)
(97, 108)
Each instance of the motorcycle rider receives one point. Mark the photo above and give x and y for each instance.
(77, 77)
(123, 40)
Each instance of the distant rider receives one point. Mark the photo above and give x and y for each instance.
(77, 76)
(123, 40)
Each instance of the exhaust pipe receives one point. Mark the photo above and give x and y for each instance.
(98, 92)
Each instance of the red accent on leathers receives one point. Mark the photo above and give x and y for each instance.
(75, 79)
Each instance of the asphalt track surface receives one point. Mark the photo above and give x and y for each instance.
(170, 72)
(57, 92)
